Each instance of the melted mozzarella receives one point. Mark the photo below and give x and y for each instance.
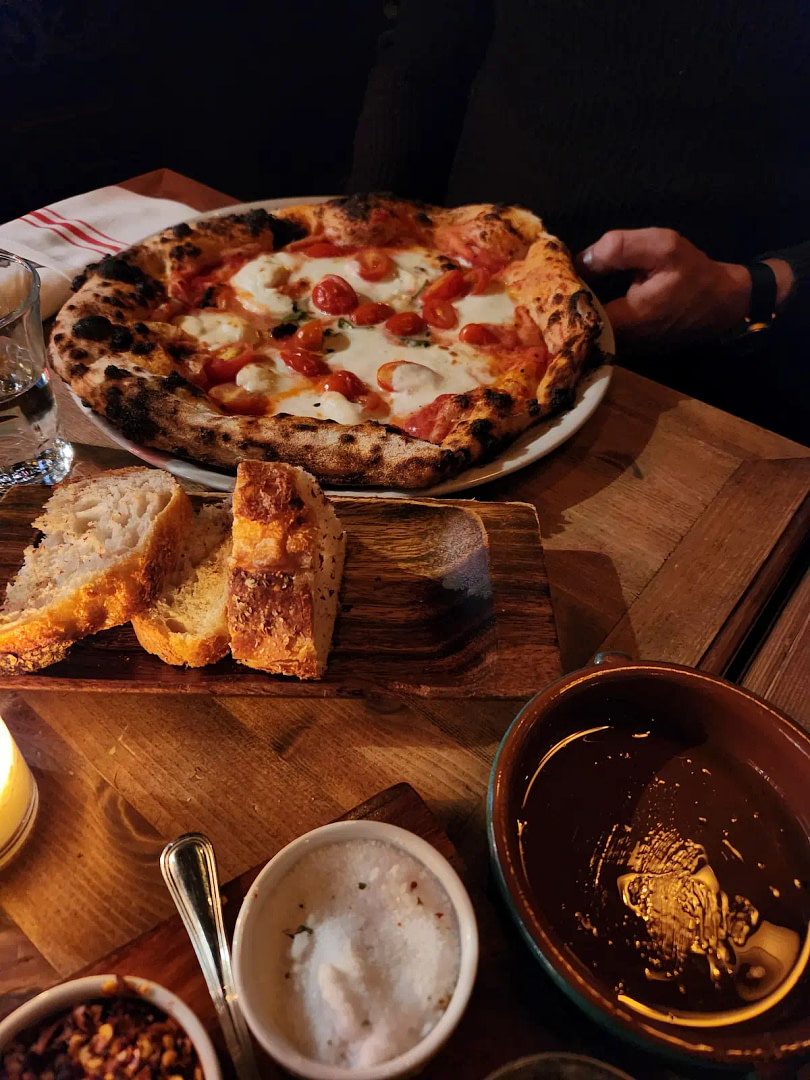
(266, 377)
(256, 284)
(410, 378)
(422, 375)
(216, 328)
(323, 406)
(493, 306)
(411, 270)
(456, 367)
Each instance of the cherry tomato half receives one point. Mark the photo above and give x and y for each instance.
(334, 295)
(439, 313)
(224, 368)
(369, 313)
(373, 265)
(305, 363)
(385, 374)
(346, 383)
(476, 333)
(449, 286)
(236, 399)
(476, 280)
(322, 249)
(405, 323)
(310, 335)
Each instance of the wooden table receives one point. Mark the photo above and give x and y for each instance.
(672, 530)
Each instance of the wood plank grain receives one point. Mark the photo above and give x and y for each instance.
(728, 650)
(780, 672)
(438, 599)
(89, 879)
(613, 505)
(168, 184)
(90, 852)
(24, 972)
(194, 769)
(680, 614)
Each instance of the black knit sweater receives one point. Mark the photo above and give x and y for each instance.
(603, 114)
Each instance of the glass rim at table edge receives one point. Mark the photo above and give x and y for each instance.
(33, 293)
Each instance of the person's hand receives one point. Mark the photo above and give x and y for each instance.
(679, 293)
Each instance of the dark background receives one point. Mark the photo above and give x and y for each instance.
(256, 100)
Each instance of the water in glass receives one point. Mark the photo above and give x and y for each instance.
(32, 449)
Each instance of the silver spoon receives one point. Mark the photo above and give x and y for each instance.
(189, 868)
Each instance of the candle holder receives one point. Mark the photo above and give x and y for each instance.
(19, 798)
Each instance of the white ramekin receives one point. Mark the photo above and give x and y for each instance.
(247, 938)
(68, 994)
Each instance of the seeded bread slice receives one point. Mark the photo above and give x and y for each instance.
(187, 623)
(108, 544)
(285, 570)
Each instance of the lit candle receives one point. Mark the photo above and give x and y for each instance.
(18, 797)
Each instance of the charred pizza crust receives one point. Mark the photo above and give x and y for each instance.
(135, 375)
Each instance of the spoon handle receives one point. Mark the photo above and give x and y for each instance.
(189, 868)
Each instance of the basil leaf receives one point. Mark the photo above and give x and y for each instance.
(416, 343)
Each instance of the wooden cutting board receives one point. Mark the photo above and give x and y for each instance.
(439, 599)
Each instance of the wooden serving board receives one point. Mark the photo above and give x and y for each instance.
(439, 599)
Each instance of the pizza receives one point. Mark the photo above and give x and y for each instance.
(371, 340)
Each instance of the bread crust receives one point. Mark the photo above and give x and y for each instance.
(179, 649)
(109, 599)
(134, 376)
(272, 575)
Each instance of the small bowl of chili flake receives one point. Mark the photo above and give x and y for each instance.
(104, 1027)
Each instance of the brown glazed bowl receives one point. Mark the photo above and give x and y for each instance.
(753, 735)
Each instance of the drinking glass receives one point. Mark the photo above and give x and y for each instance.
(32, 449)
(557, 1067)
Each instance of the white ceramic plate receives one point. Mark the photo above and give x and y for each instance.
(534, 444)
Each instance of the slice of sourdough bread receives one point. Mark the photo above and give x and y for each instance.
(285, 570)
(187, 623)
(108, 544)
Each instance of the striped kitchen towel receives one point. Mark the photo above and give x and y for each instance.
(62, 238)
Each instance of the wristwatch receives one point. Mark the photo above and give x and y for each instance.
(762, 312)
